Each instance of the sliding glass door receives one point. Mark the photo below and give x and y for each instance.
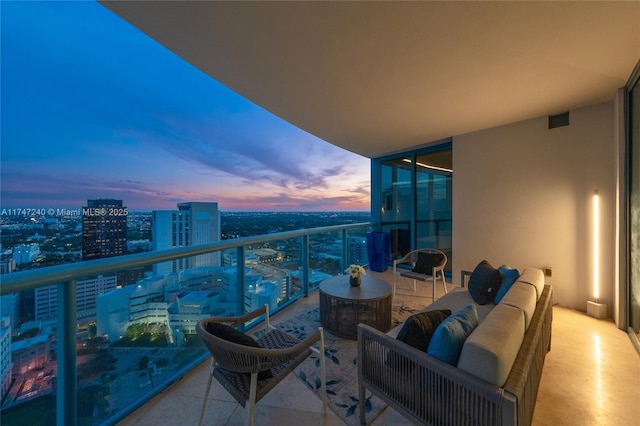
(396, 211)
(434, 180)
(414, 197)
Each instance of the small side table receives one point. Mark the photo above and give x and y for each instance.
(464, 278)
(343, 307)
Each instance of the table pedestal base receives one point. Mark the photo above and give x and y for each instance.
(341, 317)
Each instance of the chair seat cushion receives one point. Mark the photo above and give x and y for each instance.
(416, 275)
(418, 328)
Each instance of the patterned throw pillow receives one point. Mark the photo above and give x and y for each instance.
(418, 328)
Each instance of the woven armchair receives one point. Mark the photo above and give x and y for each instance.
(429, 262)
(237, 366)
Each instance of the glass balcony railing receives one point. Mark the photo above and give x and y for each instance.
(112, 347)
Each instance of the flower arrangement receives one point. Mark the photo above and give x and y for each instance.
(355, 271)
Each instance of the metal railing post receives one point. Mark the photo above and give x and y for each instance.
(304, 240)
(240, 282)
(345, 251)
(67, 381)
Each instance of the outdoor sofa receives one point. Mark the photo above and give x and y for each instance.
(495, 378)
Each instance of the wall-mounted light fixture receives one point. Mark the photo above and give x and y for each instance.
(596, 246)
(595, 308)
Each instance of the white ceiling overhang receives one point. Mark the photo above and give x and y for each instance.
(380, 77)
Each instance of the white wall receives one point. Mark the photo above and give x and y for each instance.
(522, 196)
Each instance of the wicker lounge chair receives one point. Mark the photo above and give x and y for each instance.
(241, 369)
(425, 263)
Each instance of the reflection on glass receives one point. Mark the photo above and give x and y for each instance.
(416, 202)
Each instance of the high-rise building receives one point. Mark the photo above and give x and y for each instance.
(9, 303)
(104, 229)
(5, 356)
(26, 253)
(358, 251)
(10, 307)
(104, 234)
(7, 265)
(191, 224)
(46, 298)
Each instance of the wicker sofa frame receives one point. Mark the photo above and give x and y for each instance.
(428, 391)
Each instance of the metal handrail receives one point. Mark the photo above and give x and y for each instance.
(65, 276)
(31, 279)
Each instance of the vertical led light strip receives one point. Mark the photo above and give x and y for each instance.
(596, 246)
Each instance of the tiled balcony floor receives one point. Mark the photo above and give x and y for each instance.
(590, 377)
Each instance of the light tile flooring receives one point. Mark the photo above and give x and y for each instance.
(590, 377)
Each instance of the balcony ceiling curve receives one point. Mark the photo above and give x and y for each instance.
(381, 77)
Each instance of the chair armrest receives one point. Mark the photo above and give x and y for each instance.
(239, 320)
(404, 261)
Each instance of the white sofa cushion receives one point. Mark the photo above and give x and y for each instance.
(522, 296)
(534, 277)
(454, 300)
(491, 349)
(457, 299)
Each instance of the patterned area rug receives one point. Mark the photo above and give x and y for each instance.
(341, 360)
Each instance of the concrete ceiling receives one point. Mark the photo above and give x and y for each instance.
(380, 77)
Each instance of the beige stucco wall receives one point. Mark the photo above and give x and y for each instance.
(522, 196)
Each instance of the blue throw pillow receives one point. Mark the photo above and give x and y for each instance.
(448, 339)
(509, 276)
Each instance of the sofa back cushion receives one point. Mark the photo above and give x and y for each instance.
(522, 296)
(484, 283)
(456, 299)
(534, 277)
(446, 342)
(490, 351)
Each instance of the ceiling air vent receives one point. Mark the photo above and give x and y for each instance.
(559, 120)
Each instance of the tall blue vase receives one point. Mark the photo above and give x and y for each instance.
(378, 250)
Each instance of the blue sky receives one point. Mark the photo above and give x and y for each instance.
(92, 108)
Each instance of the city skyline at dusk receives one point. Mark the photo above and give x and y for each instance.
(92, 108)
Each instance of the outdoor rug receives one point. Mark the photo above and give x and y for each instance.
(341, 360)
